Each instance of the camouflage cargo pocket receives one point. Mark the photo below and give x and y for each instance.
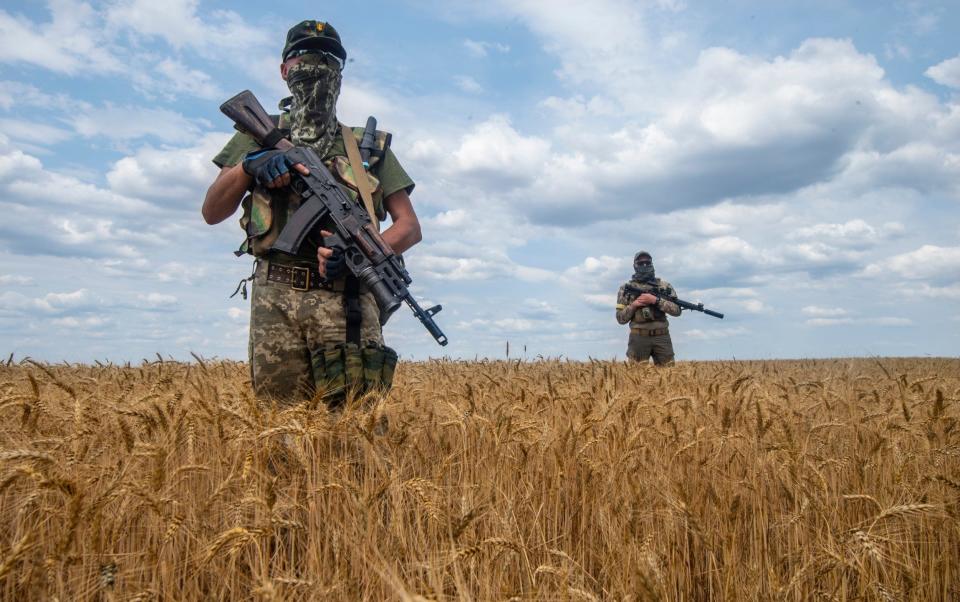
(257, 213)
(389, 367)
(353, 365)
(379, 362)
(372, 366)
(345, 367)
(329, 372)
(341, 168)
(256, 221)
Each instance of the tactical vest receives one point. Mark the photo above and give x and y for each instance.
(651, 313)
(266, 210)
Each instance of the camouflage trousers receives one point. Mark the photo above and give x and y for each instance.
(640, 347)
(286, 325)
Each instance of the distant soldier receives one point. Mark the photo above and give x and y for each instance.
(647, 315)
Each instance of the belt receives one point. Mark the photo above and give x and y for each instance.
(650, 333)
(299, 278)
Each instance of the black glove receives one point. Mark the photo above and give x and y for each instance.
(267, 165)
(336, 265)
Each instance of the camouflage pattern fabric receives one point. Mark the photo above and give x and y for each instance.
(387, 168)
(257, 221)
(641, 347)
(266, 211)
(651, 317)
(288, 326)
(289, 329)
(315, 85)
(341, 370)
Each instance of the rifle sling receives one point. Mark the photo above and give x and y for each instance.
(351, 293)
(273, 136)
(359, 173)
(351, 308)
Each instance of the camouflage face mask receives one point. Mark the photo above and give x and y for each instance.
(315, 85)
(643, 273)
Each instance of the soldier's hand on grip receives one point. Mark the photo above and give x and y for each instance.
(331, 263)
(270, 167)
(644, 300)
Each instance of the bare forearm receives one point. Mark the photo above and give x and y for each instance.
(402, 235)
(224, 195)
(405, 231)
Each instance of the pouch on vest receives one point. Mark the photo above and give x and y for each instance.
(341, 168)
(381, 143)
(650, 313)
(256, 220)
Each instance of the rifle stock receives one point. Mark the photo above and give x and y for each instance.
(249, 117)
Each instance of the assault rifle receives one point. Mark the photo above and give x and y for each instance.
(367, 255)
(680, 302)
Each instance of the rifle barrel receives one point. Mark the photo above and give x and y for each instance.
(426, 318)
(680, 302)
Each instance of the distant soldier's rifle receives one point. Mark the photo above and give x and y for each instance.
(661, 295)
(367, 255)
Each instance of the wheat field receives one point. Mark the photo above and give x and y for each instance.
(548, 480)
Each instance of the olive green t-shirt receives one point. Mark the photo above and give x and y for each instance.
(387, 170)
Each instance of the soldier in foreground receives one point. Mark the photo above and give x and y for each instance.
(311, 323)
(639, 305)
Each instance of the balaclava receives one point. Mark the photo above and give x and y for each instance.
(643, 273)
(315, 85)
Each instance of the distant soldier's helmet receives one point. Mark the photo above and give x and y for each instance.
(313, 35)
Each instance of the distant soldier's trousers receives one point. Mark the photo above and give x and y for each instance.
(646, 343)
(286, 324)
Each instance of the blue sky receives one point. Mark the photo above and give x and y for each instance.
(795, 165)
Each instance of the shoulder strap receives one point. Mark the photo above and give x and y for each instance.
(359, 173)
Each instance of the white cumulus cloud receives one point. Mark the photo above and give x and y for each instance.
(480, 49)
(71, 42)
(824, 312)
(929, 262)
(946, 73)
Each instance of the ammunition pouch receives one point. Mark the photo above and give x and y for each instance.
(343, 370)
(258, 220)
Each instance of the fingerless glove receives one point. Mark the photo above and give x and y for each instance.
(267, 165)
